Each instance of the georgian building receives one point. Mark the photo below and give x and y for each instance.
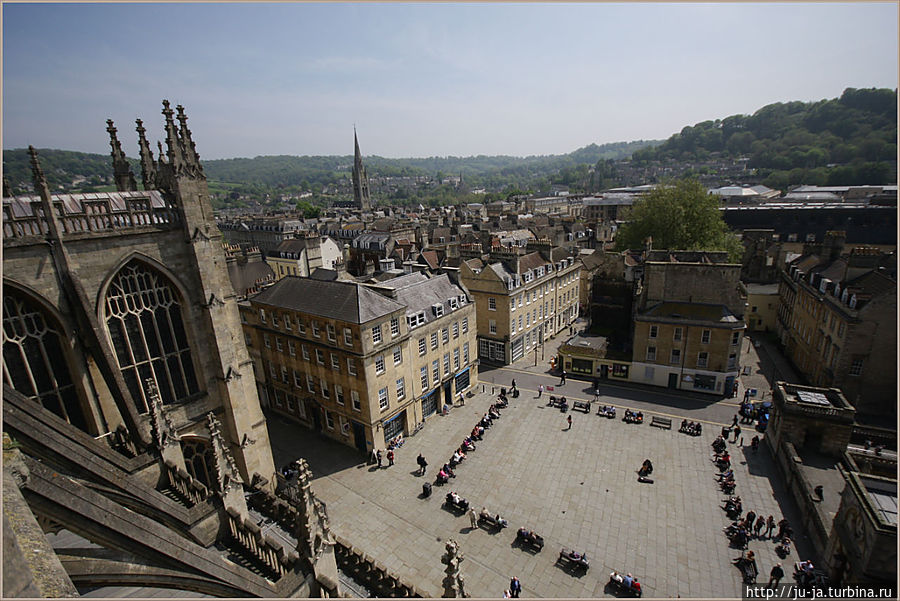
(303, 255)
(688, 322)
(837, 321)
(346, 359)
(521, 299)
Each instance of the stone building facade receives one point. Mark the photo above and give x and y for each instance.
(346, 359)
(521, 299)
(688, 322)
(837, 321)
(132, 423)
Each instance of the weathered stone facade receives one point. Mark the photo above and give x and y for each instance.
(129, 395)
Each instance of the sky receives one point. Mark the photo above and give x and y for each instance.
(418, 80)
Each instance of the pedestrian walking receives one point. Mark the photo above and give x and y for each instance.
(737, 432)
(473, 518)
(770, 526)
(374, 458)
(462, 399)
(515, 587)
(569, 419)
(562, 378)
(760, 523)
(513, 385)
(782, 525)
(390, 456)
(378, 456)
(775, 576)
(754, 443)
(540, 390)
(734, 421)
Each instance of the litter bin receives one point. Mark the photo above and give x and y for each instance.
(503, 392)
(426, 489)
(516, 393)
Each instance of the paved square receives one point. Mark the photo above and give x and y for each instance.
(576, 488)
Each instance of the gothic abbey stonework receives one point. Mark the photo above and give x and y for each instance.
(130, 408)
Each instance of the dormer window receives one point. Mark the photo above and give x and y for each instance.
(438, 309)
(844, 297)
(454, 303)
(837, 290)
(853, 302)
(824, 284)
(462, 299)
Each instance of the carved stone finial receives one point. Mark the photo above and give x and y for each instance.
(121, 169)
(164, 430)
(7, 189)
(227, 474)
(148, 167)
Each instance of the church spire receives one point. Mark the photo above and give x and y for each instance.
(360, 177)
(121, 169)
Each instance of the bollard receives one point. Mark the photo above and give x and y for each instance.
(482, 388)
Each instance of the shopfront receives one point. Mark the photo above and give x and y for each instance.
(394, 426)
(462, 380)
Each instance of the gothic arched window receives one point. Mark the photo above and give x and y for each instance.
(198, 460)
(34, 362)
(143, 315)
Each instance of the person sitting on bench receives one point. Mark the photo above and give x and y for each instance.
(500, 521)
(447, 471)
(485, 514)
(455, 497)
(647, 466)
(628, 580)
(442, 477)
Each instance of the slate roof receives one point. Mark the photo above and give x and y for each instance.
(245, 276)
(531, 261)
(421, 293)
(874, 283)
(344, 301)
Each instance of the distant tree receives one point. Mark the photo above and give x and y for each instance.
(679, 215)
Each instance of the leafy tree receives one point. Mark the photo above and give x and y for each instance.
(678, 216)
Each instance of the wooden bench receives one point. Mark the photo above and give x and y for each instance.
(582, 405)
(661, 422)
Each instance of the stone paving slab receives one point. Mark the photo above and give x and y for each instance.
(576, 488)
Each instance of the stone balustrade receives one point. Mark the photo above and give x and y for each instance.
(259, 547)
(78, 213)
(187, 487)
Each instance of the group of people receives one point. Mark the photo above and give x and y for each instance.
(607, 411)
(468, 444)
(692, 428)
(627, 582)
(378, 456)
(396, 442)
(633, 417)
(722, 459)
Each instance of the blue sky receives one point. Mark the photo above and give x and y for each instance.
(423, 79)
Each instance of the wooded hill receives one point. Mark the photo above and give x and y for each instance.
(850, 140)
(311, 173)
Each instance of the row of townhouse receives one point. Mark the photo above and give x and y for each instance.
(361, 364)
(837, 321)
(521, 299)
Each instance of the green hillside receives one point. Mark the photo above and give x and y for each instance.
(849, 140)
